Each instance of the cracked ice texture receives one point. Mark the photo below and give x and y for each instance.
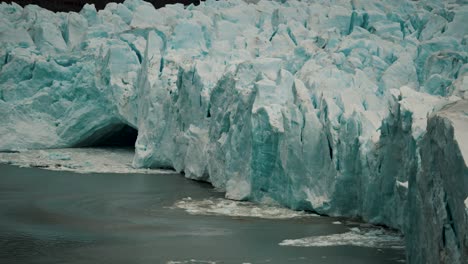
(438, 191)
(318, 105)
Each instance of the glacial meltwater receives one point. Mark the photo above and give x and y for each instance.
(66, 217)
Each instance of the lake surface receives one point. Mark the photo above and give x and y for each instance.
(65, 217)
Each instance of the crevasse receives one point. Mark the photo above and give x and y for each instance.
(316, 105)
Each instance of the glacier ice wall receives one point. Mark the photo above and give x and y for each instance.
(437, 230)
(317, 105)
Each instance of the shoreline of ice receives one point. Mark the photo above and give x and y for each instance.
(78, 160)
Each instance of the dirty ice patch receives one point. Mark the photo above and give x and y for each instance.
(219, 206)
(81, 160)
(374, 238)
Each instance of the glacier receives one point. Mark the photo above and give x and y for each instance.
(342, 107)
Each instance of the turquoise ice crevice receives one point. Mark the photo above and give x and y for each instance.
(314, 105)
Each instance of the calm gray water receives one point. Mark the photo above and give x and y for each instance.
(64, 217)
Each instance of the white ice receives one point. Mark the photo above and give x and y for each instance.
(219, 206)
(374, 238)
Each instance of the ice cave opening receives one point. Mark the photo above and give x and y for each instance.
(114, 135)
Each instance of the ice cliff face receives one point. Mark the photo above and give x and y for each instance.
(437, 211)
(318, 105)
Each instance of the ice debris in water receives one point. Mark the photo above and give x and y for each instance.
(81, 160)
(191, 261)
(375, 238)
(220, 206)
(59, 156)
(318, 105)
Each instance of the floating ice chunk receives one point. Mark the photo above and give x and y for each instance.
(374, 238)
(193, 261)
(59, 156)
(219, 206)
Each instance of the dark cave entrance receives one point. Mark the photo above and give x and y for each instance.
(117, 135)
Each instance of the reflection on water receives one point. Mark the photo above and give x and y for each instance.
(63, 217)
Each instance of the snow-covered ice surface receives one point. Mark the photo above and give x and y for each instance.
(218, 206)
(81, 160)
(370, 237)
(316, 105)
